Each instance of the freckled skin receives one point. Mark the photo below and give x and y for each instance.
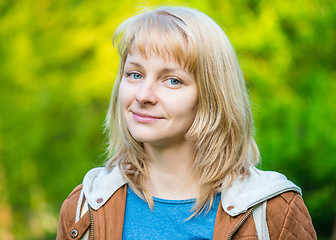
(158, 98)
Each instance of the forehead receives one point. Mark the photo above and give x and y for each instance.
(157, 48)
(165, 57)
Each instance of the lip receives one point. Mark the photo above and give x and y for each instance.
(144, 118)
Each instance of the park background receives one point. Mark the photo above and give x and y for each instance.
(57, 67)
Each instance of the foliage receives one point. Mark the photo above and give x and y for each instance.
(57, 66)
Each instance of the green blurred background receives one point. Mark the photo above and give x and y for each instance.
(57, 67)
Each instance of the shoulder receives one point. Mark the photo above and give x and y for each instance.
(73, 196)
(288, 217)
(75, 192)
(69, 206)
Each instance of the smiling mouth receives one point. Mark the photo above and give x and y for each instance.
(144, 118)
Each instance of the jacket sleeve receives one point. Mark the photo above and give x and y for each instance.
(68, 214)
(288, 218)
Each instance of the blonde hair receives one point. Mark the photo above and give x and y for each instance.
(223, 126)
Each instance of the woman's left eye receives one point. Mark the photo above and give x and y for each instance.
(173, 82)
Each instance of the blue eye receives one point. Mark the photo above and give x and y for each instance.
(174, 81)
(135, 75)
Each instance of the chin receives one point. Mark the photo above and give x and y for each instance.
(152, 141)
(149, 139)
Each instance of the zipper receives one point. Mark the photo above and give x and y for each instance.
(91, 223)
(240, 223)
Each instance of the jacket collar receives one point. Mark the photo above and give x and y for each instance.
(100, 184)
(259, 186)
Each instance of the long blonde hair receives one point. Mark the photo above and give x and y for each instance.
(223, 126)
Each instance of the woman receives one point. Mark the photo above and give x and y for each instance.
(182, 155)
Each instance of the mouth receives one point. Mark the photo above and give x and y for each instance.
(144, 118)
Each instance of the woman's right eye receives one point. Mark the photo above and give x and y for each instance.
(136, 76)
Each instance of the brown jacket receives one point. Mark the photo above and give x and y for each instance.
(287, 218)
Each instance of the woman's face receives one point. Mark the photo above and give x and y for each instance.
(158, 99)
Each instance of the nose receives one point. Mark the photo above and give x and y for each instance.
(146, 92)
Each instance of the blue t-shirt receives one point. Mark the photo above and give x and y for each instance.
(167, 220)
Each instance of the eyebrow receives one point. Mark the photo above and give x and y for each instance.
(133, 63)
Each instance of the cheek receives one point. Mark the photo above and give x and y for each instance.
(185, 108)
(125, 94)
(192, 102)
(192, 108)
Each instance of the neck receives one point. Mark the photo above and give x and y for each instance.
(170, 171)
